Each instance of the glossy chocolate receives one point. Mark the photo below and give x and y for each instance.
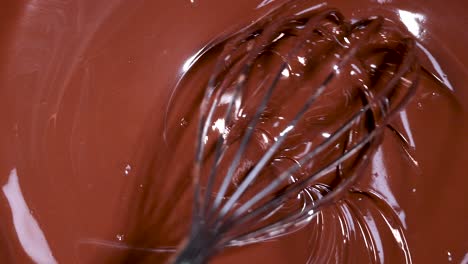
(85, 87)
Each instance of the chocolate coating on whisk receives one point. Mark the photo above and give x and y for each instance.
(294, 108)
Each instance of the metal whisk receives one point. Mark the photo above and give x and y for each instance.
(293, 109)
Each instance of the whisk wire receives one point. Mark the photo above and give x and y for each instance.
(276, 201)
(265, 158)
(252, 124)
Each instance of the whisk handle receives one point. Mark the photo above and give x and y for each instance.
(198, 249)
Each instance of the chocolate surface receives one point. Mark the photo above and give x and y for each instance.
(85, 88)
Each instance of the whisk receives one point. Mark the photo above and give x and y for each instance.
(293, 109)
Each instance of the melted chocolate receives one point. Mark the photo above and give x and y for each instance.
(85, 88)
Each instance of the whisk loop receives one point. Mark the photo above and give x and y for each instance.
(293, 110)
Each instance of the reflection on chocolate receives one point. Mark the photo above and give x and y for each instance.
(85, 86)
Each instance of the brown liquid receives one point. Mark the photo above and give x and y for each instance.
(84, 87)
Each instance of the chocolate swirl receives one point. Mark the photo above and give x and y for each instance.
(293, 108)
